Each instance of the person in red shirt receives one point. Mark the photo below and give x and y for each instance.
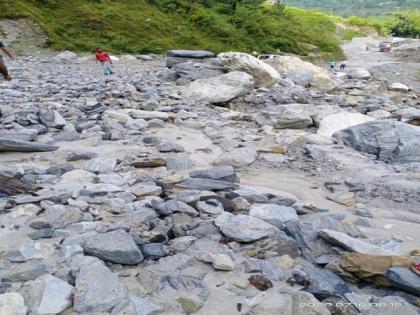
(103, 58)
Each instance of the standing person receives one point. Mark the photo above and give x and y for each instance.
(103, 58)
(343, 65)
(3, 68)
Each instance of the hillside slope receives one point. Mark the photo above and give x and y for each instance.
(134, 26)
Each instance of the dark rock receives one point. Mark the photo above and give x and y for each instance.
(153, 250)
(171, 206)
(404, 279)
(226, 173)
(260, 282)
(226, 203)
(44, 233)
(200, 54)
(116, 246)
(206, 184)
(321, 283)
(282, 201)
(199, 70)
(12, 186)
(305, 232)
(76, 156)
(389, 141)
(39, 225)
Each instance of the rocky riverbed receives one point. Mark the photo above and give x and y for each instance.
(197, 184)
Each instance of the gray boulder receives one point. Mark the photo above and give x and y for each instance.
(301, 77)
(274, 214)
(206, 184)
(116, 246)
(243, 228)
(25, 146)
(47, 295)
(389, 141)
(97, 289)
(321, 283)
(290, 116)
(199, 70)
(404, 279)
(199, 54)
(51, 118)
(23, 272)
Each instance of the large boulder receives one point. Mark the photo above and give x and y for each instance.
(237, 157)
(220, 89)
(389, 141)
(298, 70)
(336, 122)
(291, 116)
(264, 75)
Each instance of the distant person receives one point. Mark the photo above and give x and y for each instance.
(343, 65)
(103, 58)
(332, 64)
(3, 68)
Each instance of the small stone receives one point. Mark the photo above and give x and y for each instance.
(153, 250)
(190, 303)
(347, 199)
(101, 165)
(260, 282)
(222, 262)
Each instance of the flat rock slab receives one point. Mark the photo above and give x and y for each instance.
(116, 246)
(206, 184)
(404, 279)
(351, 243)
(190, 54)
(274, 214)
(243, 228)
(25, 146)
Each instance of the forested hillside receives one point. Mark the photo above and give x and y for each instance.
(357, 7)
(135, 26)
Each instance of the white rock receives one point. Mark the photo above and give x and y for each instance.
(12, 304)
(222, 262)
(264, 75)
(358, 73)
(101, 165)
(148, 114)
(219, 89)
(398, 87)
(66, 55)
(336, 122)
(274, 214)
